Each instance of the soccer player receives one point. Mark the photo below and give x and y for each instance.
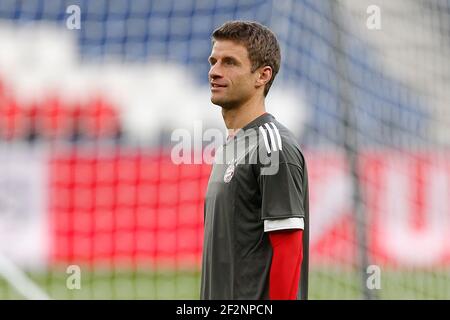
(256, 205)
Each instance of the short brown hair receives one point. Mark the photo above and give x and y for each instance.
(261, 43)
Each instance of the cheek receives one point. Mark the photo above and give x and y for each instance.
(243, 82)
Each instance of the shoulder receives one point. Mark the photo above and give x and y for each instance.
(276, 139)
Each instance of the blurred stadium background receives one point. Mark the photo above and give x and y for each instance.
(86, 117)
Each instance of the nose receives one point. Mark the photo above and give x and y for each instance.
(214, 72)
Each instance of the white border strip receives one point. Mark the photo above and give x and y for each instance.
(284, 224)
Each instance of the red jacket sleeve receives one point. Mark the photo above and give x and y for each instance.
(286, 263)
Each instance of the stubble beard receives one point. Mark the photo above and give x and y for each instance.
(225, 104)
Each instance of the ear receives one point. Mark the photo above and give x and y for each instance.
(264, 74)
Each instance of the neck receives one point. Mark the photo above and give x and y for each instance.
(238, 117)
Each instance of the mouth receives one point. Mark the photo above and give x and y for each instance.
(215, 86)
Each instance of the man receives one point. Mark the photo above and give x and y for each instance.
(256, 206)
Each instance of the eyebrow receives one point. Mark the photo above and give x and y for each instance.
(226, 58)
(210, 59)
(230, 58)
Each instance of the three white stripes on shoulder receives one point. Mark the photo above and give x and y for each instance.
(273, 132)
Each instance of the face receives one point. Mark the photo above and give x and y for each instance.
(230, 77)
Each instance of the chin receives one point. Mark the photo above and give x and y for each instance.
(218, 102)
(215, 101)
(223, 103)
